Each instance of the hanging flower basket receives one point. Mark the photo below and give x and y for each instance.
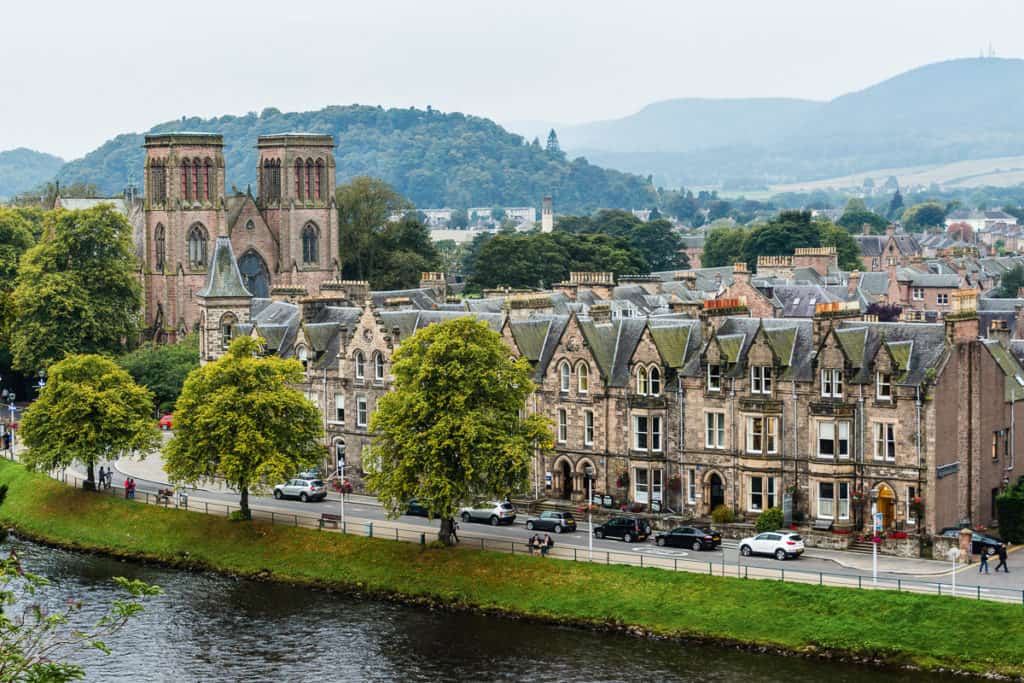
(622, 481)
(917, 507)
(675, 484)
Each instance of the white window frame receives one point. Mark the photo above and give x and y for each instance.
(362, 411)
(360, 362)
(831, 383)
(642, 385)
(564, 375)
(378, 367)
(339, 408)
(761, 379)
(583, 378)
(885, 441)
(756, 493)
(303, 356)
(831, 502)
(911, 494)
(654, 381)
(942, 299)
(656, 433)
(640, 436)
(641, 490)
(691, 484)
(883, 381)
(588, 427)
(842, 500)
(714, 379)
(714, 430)
(563, 426)
(768, 434)
(917, 293)
(840, 435)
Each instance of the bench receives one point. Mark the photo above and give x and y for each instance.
(330, 518)
(822, 525)
(163, 496)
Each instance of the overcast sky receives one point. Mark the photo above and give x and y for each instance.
(75, 74)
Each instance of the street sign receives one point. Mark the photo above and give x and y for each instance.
(879, 522)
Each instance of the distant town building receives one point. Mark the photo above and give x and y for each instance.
(981, 220)
(547, 215)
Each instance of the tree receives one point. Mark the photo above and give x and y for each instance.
(36, 642)
(77, 290)
(15, 239)
(920, 217)
(364, 207)
(89, 410)
(1010, 283)
(886, 313)
(404, 250)
(459, 219)
(781, 235)
(162, 368)
(452, 429)
(656, 240)
(552, 146)
(856, 215)
(896, 205)
(847, 249)
(724, 247)
(240, 418)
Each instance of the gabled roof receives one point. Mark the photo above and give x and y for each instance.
(223, 279)
(672, 337)
(1013, 373)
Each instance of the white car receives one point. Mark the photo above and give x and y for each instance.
(781, 544)
(303, 489)
(494, 512)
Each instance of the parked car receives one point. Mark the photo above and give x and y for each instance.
(552, 521)
(167, 422)
(690, 537)
(629, 529)
(416, 509)
(494, 512)
(781, 544)
(303, 489)
(979, 542)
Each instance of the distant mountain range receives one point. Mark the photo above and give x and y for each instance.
(939, 113)
(24, 169)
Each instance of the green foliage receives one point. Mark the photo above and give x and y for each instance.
(1010, 513)
(89, 410)
(1010, 283)
(459, 219)
(23, 169)
(434, 159)
(542, 259)
(723, 515)
(782, 235)
(896, 205)
(920, 217)
(77, 290)
(278, 433)
(847, 249)
(162, 368)
(655, 240)
(769, 520)
(857, 214)
(451, 430)
(15, 239)
(724, 247)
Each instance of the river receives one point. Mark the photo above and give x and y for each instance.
(207, 627)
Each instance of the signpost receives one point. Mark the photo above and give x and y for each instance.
(877, 524)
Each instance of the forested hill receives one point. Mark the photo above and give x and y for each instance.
(24, 169)
(434, 159)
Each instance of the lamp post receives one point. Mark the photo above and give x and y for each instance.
(589, 471)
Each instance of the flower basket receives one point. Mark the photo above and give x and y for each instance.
(622, 481)
(341, 486)
(917, 507)
(841, 532)
(794, 527)
(897, 534)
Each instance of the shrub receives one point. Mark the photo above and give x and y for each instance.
(723, 515)
(769, 520)
(1010, 512)
(239, 516)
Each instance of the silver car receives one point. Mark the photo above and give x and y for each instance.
(303, 489)
(494, 512)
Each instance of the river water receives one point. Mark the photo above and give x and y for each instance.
(207, 627)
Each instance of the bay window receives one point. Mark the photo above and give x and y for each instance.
(640, 427)
(762, 493)
(844, 500)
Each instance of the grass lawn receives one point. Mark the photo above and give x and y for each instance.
(900, 628)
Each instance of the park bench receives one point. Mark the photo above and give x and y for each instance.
(163, 496)
(330, 518)
(822, 525)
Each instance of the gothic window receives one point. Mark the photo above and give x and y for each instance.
(186, 171)
(195, 180)
(157, 183)
(309, 178)
(227, 324)
(298, 178)
(318, 178)
(303, 355)
(275, 179)
(641, 381)
(654, 381)
(378, 367)
(206, 180)
(310, 244)
(197, 246)
(160, 247)
(254, 273)
(360, 360)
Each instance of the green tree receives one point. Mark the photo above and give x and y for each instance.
(452, 431)
(920, 217)
(847, 249)
(724, 247)
(15, 239)
(279, 433)
(896, 205)
(364, 207)
(781, 235)
(459, 219)
(552, 146)
(656, 241)
(856, 215)
(162, 368)
(77, 290)
(404, 249)
(89, 410)
(1010, 283)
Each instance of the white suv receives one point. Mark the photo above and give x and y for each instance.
(493, 511)
(781, 544)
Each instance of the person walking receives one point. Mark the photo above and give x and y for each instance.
(1002, 558)
(984, 561)
(455, 531)
(534, 543)
(127, 486)
(131, 488)
(546, 545)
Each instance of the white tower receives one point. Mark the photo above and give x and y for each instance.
(547, 215)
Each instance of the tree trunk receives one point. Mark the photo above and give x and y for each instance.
(244, 503)
(90, 477)
(447, 531)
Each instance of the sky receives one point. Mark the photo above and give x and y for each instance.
(76, 74)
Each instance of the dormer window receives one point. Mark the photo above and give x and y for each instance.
(654, 381)
(761, 379)
(917, 294)
(583, 378)
(303, 356)
(832, 383)
(883, 386)
(564, 375)
(641, 381)
(714, 377)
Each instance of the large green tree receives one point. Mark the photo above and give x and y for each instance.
(15, 239)
(724, 247)
(89, 410)
(847, 249)
(76, 291)
(656, 240)
(163, 368)
(782, 235)
(922, 216)
(1010, 283)
(452, 429)
(856, 215)
(241, 418)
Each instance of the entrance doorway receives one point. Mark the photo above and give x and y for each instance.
(566, 480)
(717, 491)
(886, 505)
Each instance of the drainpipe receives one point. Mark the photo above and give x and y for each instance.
(1013, 434)
(735, 449)
(917, 401)
(796, 442)
(681, 442)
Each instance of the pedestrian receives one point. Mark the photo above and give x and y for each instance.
(984, 561)
(534, 543)
(455, 531)
(546, 545)
(127, 486)
(102, 475)
(1002, 558)
(131, 488)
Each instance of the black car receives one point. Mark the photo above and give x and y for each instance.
(979, 541)
(629, 529)
(690, 537)
(552, 521)
(416, 509)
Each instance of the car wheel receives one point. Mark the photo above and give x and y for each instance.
(780, 554)
(494, 521)
(661, 542)
(558, 528)
(627, 538)
(277, 494)
(745, 550)
(303, 497)
(599, 533)
(696, 545)
(529, 525)
(465, 516)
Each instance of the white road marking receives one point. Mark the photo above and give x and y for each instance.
(660, 551)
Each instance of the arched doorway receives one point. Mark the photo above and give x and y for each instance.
(886, 504)
(255, 274)
(566, 480)
(716, 491)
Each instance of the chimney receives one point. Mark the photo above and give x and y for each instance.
(853, 282)
(962, 321)
(716, 311)
(828, 314)
(601, 314)
(435, 282)
(547, 215)
(1000, 332)
(865, 229)
(890, 230)
(688, 278)
(740, 273)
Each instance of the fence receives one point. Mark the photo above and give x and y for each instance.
(376, 529)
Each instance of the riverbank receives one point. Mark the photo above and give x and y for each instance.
(884, 627)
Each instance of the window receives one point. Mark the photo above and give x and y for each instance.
(197, 246)
(186, 181)
(762, 493)
(206, 180)
(834, 439)
(640, 427)
(309, 178)
(303, 357)
(832, 383)
(714, 378)
(942, 299)
(654, 381)
(656, 433)
(310, 244)
(564, 373)
(760, 379)
(917, 294)
(360, 365)
(715, 432)
(339, 408)
(298, 178)
(158, 183)
(563, 426)
(885, 441)
(761, 434)
(160, 247)
(1000, 440)
(844, 500)
(641, 381)
(195, 180)
(642, 487)
(250, 226)
(378, 367)
(227, 323)
(317, 178)
(691, 491)
(883, 386)
(911, 495)
(583, 378)
(826, 500)
(361, 411)
(588, 427)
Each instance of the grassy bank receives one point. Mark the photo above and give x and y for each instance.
(926, 631)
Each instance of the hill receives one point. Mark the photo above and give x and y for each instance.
(936, 114)
(433, 158)
(24, 169)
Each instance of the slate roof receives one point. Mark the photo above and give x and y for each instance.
(916, 346)
(871, 245)
(918, 279)
(1013, 373)
(223, 279)
(420, 298)
(798, 301)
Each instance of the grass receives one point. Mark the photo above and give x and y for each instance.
(897, 628)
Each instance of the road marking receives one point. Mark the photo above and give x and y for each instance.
(660, 551)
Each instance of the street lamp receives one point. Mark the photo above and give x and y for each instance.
(589, 471)
(42, 380)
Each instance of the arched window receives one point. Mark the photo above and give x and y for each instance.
(186, 181)
(309, 178)
(298, 178)
(227, 323)
(310, 244)
(206, 179)
(564, 373)
(303, 355)
(197, 246)
(318, 178)
(250, 226)
(360, 365)
(654, 380)
(157, 183)
(641, 381)
(583, 378)
(195, 179)
(378, 367)
(159, 247)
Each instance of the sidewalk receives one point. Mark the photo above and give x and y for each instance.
(911, 566)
